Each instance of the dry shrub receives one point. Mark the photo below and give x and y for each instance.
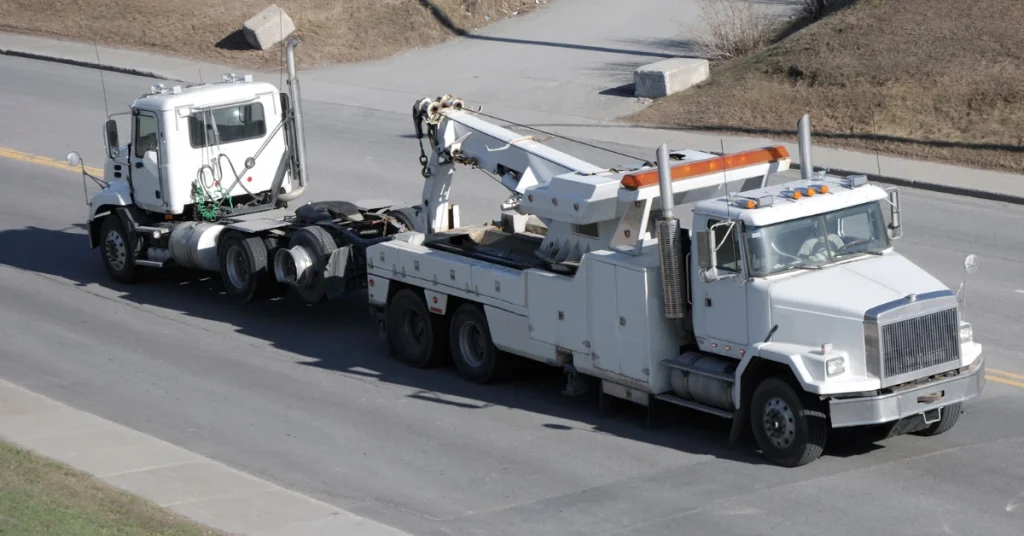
(734, 28)
(815, 9)
(896, 76)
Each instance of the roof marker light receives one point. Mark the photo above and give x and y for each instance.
(703, 167)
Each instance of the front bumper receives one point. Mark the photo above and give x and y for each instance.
(859, 411)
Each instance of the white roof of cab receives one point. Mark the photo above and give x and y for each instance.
(203, 95)
(785, 207)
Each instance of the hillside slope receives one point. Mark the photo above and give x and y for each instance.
(332, 30)
(931, 79)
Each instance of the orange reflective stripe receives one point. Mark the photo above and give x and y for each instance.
(703, 167)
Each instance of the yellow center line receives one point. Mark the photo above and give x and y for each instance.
(1004, 381)
(1007, 374)
(46, 161)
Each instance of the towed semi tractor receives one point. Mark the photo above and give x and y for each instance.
(204, 183)
(784, 307)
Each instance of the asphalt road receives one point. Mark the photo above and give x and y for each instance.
(306, 397)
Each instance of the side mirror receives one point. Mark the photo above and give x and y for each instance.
(971, 264)
(706, 255)
(110, 135)
(74, 159)
(150, 157)
(894, 212)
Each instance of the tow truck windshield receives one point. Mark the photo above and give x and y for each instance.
(814, 241)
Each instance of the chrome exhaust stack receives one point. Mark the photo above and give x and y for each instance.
(668, 242)
(300, 133)
(803, 128)
(293, 266)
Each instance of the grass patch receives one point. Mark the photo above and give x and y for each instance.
(930, 79)
(332, 31)
(42, 497)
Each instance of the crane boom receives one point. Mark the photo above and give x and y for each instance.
(585, 207)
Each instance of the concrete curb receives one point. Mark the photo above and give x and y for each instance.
(929, 186)
(171, 477)
(92, 65)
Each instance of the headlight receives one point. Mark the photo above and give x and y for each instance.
(966, 333)
(835, 366)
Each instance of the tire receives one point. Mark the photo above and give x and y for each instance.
(473, 350)
(950, 415)
(790, 430)
(117, 255)
(274, 288)
(244, 267)
(411, 331)
(320, 244)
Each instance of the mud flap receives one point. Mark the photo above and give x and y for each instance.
(334, 274)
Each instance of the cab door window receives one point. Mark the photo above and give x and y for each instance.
(728, 253)
(145, 134)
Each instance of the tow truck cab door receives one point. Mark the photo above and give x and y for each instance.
(720, 305)
(145, 157)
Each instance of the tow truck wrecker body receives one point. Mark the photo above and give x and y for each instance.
(782, 307)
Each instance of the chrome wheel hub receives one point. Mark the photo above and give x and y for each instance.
(238, 268)
(116, 250)
(779, 423)
(472, 345)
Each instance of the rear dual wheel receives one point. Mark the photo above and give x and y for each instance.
(473, 350)
(412, 333)
(244, 267)
(419, 338)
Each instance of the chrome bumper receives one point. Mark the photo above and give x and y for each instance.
(880, 409)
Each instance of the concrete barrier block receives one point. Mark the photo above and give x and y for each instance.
(268, 27)
(666, 77)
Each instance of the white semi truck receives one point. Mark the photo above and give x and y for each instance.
(782, 307)
(204, 183)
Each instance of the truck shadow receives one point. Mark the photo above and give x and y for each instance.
(341, 336)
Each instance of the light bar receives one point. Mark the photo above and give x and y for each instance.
(753, 157)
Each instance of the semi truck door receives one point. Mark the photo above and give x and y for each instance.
(145, 168)
(723, 302)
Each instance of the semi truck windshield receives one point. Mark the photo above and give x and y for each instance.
(816, 240)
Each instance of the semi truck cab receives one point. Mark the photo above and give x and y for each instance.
(805, 274)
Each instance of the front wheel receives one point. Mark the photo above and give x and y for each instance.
(790, 430)
(117, 252)
(950, 414)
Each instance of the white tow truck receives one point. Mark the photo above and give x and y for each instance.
(204, 183)
(782, 307)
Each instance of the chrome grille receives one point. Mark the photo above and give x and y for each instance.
(919, 343)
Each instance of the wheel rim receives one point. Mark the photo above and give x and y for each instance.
(779, 423)
(472, 345)
(414, 331)
(238, 268)
(117, 252)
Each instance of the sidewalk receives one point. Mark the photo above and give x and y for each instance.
(174, 478)
(360, 86)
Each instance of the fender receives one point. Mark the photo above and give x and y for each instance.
(113, 199)
(789, 355)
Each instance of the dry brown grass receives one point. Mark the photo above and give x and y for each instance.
(733, 28)
(934, 79)
(331, 30)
